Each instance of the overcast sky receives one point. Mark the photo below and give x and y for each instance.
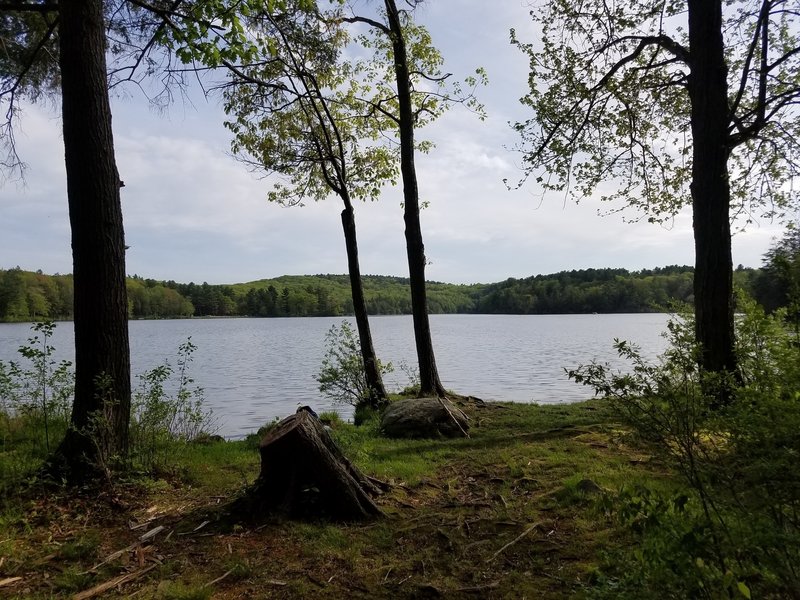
(192, 213)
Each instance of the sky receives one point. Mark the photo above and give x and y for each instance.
(193, 213)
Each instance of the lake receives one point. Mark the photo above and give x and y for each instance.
(253, 370)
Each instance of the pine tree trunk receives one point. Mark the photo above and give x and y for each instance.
(371, 367)
(430, 385)
(102, 354)
(711, 198)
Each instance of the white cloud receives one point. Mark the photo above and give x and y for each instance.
(193, 213)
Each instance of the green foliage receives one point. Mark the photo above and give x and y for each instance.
(737, 528)
(318, 112)
(174, 590)
(610, 103)
(151, 299)
(36, 398)
(35, 402)
(588, 291)
(167, 412)
(74, 579)
(28, 296)
(342, 377)
(300, 113)
(84, 547)
(331, 418)
(47, 387)
(675, 558)
(566, 292)
(778, 283)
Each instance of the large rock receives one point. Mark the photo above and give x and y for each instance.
(423, 418)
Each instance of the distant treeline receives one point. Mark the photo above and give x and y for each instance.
(26, 296)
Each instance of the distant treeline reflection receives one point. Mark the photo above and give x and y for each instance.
(25, 295)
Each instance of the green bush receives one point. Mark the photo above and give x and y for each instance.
(739, 527)
(35, 401)
(167, 412)
(37, 396)
(342, 377)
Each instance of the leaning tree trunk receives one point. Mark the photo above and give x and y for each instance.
(711, 197)
(377, 391)
(101, 409)
(430, 383)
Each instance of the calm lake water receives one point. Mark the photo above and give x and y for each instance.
(253, 370)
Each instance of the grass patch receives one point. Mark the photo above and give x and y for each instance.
(501, 514)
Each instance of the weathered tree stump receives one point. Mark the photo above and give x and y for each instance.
(424, 417)
(304, 473)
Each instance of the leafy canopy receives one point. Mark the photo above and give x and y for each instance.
(608, 89)
(319, 106)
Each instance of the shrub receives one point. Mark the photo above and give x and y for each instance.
(35, 401)
(167, 411)
(739, 528)
(342, 377)
(39, 395)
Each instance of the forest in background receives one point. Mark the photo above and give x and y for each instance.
(29, 296)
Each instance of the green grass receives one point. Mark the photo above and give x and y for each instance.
(452, 508)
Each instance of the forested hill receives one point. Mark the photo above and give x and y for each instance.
(28, 296)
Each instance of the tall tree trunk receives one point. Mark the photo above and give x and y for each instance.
(371, 368)
(101, 409)
(711, 198)
(428, 374)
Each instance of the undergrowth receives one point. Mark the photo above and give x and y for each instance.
(36, 393)
(735, 532)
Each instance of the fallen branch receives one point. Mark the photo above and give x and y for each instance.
(452, 416)
(9, 581)
(111, 583)
(143, 538)
(152, 533)
(514, 541)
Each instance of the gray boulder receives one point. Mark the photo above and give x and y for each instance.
(423, 418)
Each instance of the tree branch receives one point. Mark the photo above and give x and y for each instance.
(370, 22)
(43, 7)
(663, 41)
(644, 42)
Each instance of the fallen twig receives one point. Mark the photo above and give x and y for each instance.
(218, 579)
(478, 588)
(9, 581)
(111, 583)
(514, 541)
(152, 533)
(143, 538)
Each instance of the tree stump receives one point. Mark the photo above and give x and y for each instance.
(304, 473)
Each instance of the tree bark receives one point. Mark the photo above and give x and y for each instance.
(372, 370)
(430, 383)
(102, 354)
(711, 198)
(304, 473)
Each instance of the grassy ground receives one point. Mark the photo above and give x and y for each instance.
(507, 513)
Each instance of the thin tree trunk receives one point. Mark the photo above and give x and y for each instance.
(428, 374)
(372, 370)
(102, 354)
(713, 279)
